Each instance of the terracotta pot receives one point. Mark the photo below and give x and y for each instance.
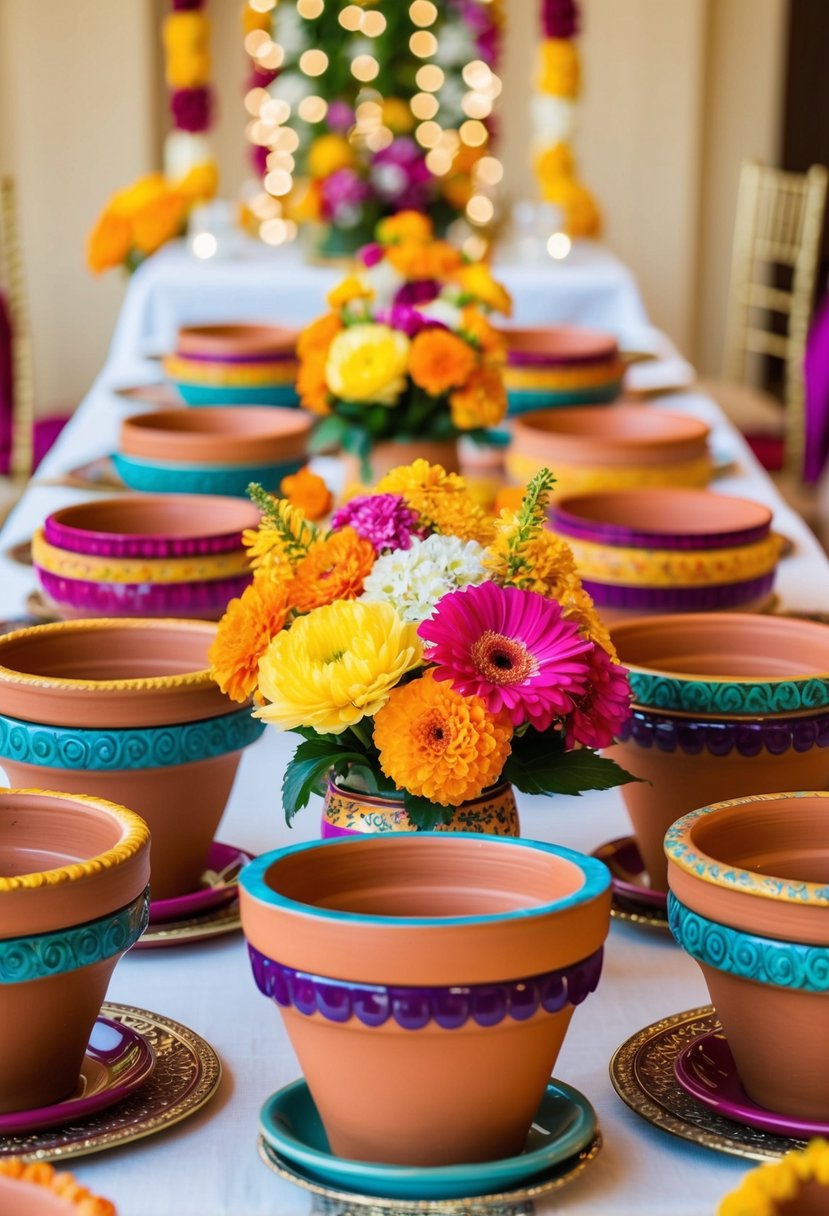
(72, 899)
(723, 706)
(127, 710)
(240, 341)
(557, 345)
(351, 813)
(661, 519)
(388, 454)
(37, 1189)
(140, 525)
(257, 435)
(455, 962)
(81, 599)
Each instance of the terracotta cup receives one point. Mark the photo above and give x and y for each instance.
(724, 705)
(73, 878)
(749, 879)
(239, 435)
(426, 982)
(36, 1189)
(127, 710)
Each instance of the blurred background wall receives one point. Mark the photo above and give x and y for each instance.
(676, 93)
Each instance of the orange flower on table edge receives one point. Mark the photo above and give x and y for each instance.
(404, 226)
(109, 242)
(245, 632)
(440, 360)
(438, 744)
(482, 401)
(491, 341)
(316, 337)
(308, 492)
(334, 568)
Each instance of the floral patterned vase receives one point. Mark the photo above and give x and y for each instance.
(352, 813)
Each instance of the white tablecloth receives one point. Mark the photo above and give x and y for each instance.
(208, 1165)
(589, 287)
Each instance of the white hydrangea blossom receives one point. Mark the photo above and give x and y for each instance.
(413, 580)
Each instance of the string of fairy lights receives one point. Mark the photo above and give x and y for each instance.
(447, 139)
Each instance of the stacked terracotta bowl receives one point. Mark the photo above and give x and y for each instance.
(234, 365)
(218, 451)
(670, 550)
(615, 447)
(561, 365)
(173, 555)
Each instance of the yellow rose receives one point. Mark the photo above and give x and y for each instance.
(368, 363)
(351, 288)
(328, 153)
(133, 198)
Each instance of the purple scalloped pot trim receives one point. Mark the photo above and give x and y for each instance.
(630, 538)
(274, 356)
(532, 358)
(679, 599)
(414, 1008)
(775, 736)
(201, 597)
(121, 544)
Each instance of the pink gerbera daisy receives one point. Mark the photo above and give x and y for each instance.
(510, 647)
(605, 705)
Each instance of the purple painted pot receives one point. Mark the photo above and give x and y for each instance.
(713, 598)
(204, 599)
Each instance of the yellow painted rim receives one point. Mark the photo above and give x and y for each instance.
(67, 564)
(578, 479)
(675, 567)
(225, 375)
(136, 837)
(564, 377)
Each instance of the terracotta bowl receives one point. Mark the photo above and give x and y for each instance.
(80, 599)
(37, 1189)
(610, 448)
(670, 550)
(140, 525)
(235, 365)
(724, 705)
(170, 476)
(560, 366)
(235, 341)
(73, 898)
(126, 710)
(426, 982)
(256, 436)
(749, 902)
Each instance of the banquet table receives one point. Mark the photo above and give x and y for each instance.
(208, 1165)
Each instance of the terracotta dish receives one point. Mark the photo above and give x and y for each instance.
(228, 341)
(240, 435)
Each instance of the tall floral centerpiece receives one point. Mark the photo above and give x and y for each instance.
(428, 655)
(406, 356)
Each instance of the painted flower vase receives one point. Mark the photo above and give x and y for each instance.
(351, 813)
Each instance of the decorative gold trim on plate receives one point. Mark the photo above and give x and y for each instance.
(213, 923)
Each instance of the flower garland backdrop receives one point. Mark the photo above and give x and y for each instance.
(361, 110)
(421, 646)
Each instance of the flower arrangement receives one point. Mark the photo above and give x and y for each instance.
(553, 112)
(339, 94)
(776, 1187)
(423, 647)
(406, 351)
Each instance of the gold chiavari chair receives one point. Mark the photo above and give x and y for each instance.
(23, 389)
(779, 222)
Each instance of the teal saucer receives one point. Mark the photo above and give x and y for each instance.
(289, 1122)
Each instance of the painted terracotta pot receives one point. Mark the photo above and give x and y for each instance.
(614, 448)
(235, 341)
(127, 710)
(426, 982)
(73, 898)
(37, 1189)
(169, 476)
(259, 435)
(388, 454)
(81, 599)
(723, 706)
(560, 366)
(351, 813)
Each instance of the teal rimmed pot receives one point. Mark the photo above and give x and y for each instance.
(749, 901)
(723, 705)
(73, 898)
(426, 982)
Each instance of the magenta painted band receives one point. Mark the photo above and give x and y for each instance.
(117, 544)
(329, 831)
(203, 598)
(274, 356)
(679, 599)
(564, 522)
(532, 358)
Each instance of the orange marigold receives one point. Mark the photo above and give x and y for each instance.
(416, 260)
(439, 360)
(108, 243)
(441, 500)
(404, 226)
(307, 491)
(491, 342)
(245, 632)
(158, 221)
(333, 569)
(482, 401)
(311, 384)
(316, 338)
(438, 744)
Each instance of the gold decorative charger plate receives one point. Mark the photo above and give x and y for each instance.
(97, 474)
(212, 923)
(21, 553)
(642, 1072)
(37, 607)
(632, 912)
(186, 1076)
(333, 1202)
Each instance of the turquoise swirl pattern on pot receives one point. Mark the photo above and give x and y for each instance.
(747, 955)
(155, 477)
(751, 698)
(96, 750)
(45, 954)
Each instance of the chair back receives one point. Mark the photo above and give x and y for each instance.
(779, 223)
(22, 375)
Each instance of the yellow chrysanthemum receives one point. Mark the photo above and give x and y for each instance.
(328, 153)
(244, 634)
(368, 363)
(772, 1188)
(352, 287)
(275, 547)
(476, 281)
(404, 226)
(438, 744)
(441, 500)
(336, 666)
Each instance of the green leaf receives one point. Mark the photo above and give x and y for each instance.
(307, 771)
(537, 772)
(327, 434)
(426, 815)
